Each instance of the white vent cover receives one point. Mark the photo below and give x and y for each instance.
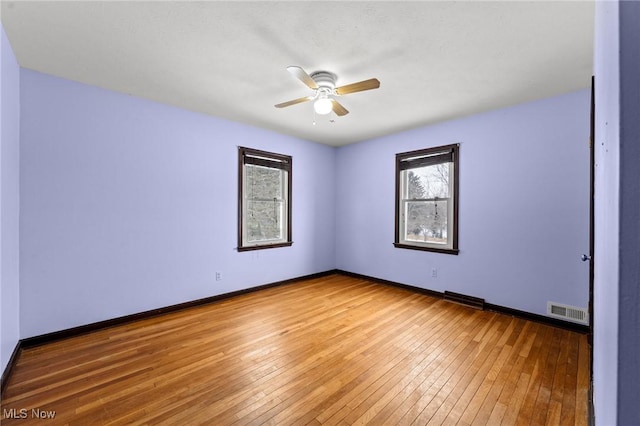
(569, 313)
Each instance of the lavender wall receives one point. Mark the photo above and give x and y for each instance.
(524, 206)
(616, 369)
(129, 205)
(9, 200)
(629, 266)
(607, 132)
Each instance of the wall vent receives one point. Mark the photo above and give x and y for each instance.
(569, 313)
(463, 299)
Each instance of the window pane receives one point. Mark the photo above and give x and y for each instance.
(426, 221)
(264, 220)
(428, 182)
(263, 183)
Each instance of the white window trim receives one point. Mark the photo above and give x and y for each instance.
(404, 200)
(283, 212)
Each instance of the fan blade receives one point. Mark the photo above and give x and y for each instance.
(302, 75)
(338, 108)
(372, 83)
(295, 101)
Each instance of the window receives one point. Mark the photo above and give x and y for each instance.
(427, 199)
(264, 200)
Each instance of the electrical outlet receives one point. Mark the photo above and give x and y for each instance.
(218, 276)
(434, 273)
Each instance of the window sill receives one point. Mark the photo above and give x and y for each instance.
(265, 246)
(423, 248)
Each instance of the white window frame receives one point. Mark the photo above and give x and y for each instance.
(247, 158)
(430, 156)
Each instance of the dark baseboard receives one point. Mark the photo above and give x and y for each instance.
(487, 306)
(579, 328)
(9, 368)
(592, 412)
(464, 299)
(42, 339)
(414, 289)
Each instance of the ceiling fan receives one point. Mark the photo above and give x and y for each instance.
(323, 83)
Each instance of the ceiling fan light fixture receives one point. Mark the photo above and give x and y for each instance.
(323, 105)
(323, 84)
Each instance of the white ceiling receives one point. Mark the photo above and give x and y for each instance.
(435, 60)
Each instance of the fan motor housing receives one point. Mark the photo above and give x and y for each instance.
(324, 79)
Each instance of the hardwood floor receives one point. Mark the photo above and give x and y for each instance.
(332, 350)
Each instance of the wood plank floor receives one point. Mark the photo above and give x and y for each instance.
(332, 350)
